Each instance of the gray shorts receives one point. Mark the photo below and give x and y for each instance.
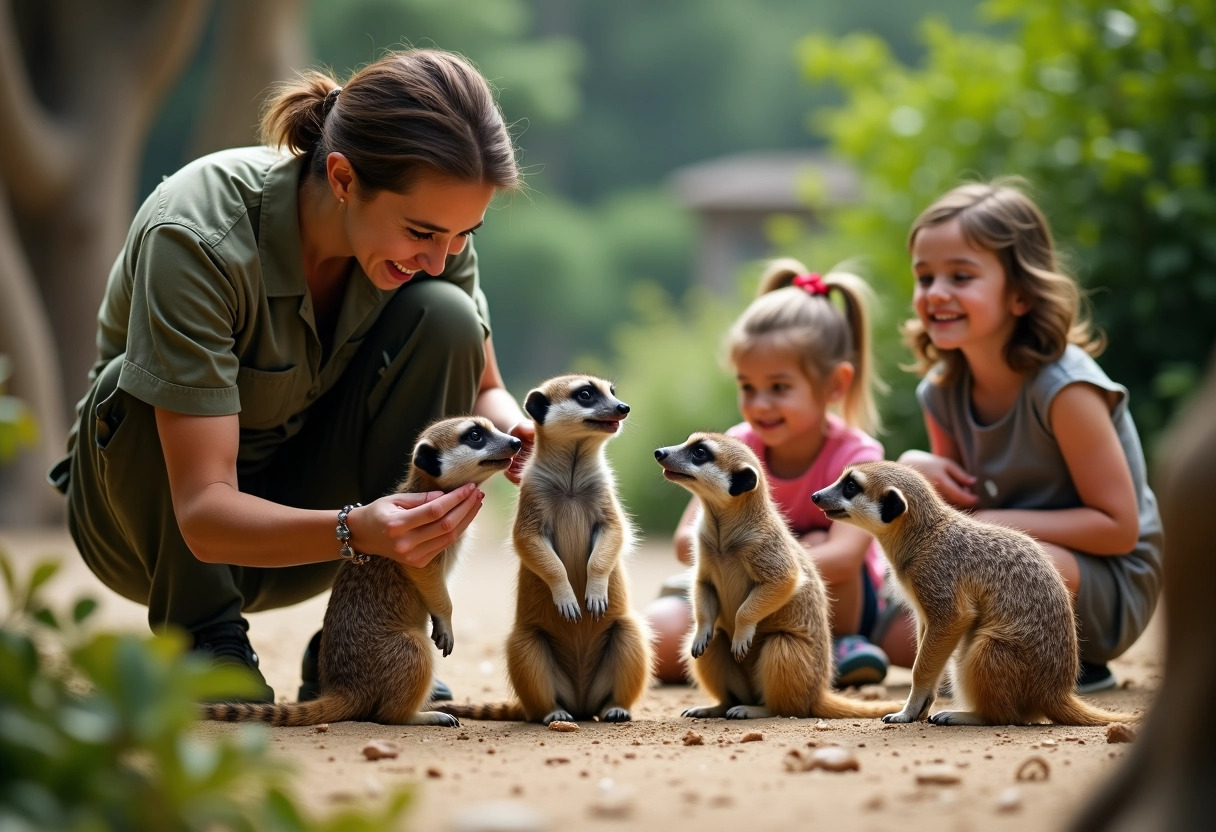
(1117, 597)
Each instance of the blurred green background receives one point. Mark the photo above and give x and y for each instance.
(650, 132)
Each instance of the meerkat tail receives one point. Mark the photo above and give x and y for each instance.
(834, 706)
(492, 711)
(1073, 711)
(326, 708)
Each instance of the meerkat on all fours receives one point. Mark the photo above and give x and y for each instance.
(987, 595)
(376, 659)
(567, 662)
(761, 643)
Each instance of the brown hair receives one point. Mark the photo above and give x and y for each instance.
(410, 112)
(821, 334)
(999, 217)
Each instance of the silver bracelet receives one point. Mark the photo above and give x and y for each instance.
(343, 534)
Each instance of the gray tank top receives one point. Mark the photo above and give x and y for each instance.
(1018, 464)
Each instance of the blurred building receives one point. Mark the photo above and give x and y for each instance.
(736, 197)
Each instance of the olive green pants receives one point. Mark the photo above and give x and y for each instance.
(422, 360)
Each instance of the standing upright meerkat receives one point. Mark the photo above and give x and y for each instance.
(762, 643)
(987, 595)
(376, 660)
(571, 533)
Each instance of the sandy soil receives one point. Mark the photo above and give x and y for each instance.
(644, 775)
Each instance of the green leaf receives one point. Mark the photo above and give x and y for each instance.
(83, 609)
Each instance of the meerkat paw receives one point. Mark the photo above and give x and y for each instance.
(742, 643)
(560, 715)
(748, 712)
(702, 643)
(616, 714)
(957, 718)
(597, 602)
(567, 603)
(706, 712)
(434, 718)
(441, 634)
(900, 718)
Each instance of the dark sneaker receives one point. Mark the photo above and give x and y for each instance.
(229, 644)
(1095, 677)
(310, 675)
(857, 662)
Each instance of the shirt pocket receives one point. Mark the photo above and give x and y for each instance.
(265, 396)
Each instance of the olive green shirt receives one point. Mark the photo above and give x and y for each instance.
(208, 308)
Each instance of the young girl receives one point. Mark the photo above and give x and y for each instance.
(1024, 428)
(798, 356)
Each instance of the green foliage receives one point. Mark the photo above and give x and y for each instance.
(668, 369)
(95, 733)
(17, 426)
(1109, 113)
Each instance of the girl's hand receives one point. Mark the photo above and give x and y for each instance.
(525, 432)
(950, 479)
(413, 528)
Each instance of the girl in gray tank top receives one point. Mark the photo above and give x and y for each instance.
(1025, 428)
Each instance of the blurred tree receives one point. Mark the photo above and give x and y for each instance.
(1109, 112)
(80, 85)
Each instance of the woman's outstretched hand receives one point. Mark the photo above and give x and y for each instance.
(413, 528)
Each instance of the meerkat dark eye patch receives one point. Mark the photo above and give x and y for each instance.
(892, 505)
(426, 457)
(700, 454)
(742, 481)
(474, 437)
(588, 395)
(537, 405)
(849, 487)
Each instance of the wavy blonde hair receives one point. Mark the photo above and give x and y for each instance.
(819, 333)
(999, 217)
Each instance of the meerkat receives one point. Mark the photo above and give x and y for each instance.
(761, 644)
(987, 595)
(375, 661)
(565, 661)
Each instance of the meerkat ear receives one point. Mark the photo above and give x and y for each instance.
(537, 405)
(426, 457)
(892, 505)
(742, 481)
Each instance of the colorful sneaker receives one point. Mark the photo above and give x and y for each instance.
(1095, 677)
(857, 661)
(229, 644)
(310, 676)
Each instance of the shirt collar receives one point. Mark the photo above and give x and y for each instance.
(279, 247)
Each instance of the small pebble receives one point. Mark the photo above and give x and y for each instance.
(1120, 732)
(322, 728)
(381, 749)
(693, 738)
(564, 727)
(752, 736)
(937, 774)
(1009, 800)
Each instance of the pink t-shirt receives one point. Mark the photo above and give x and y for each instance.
(844, 445)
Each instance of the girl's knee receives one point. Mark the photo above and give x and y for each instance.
(669, 618)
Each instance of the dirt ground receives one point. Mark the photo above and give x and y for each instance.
(645, 775)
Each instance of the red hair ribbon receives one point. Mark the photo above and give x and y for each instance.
(812, 283)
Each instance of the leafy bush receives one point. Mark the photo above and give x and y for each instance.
(1109, 111)
(17, 426)
(95, 733)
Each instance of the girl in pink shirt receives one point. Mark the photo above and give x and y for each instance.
(800, 351)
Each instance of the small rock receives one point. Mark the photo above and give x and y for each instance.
(564, 727)
(1009, 800)
(752, 736)
(615, 800)
(1033, 769)
(322, 728)
(381, 749)
(693, 738)
(937, 774)
(1120, 732)
(835, 758)
(822, 726)
(556, 761)
(499, 816)
(434, 773)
